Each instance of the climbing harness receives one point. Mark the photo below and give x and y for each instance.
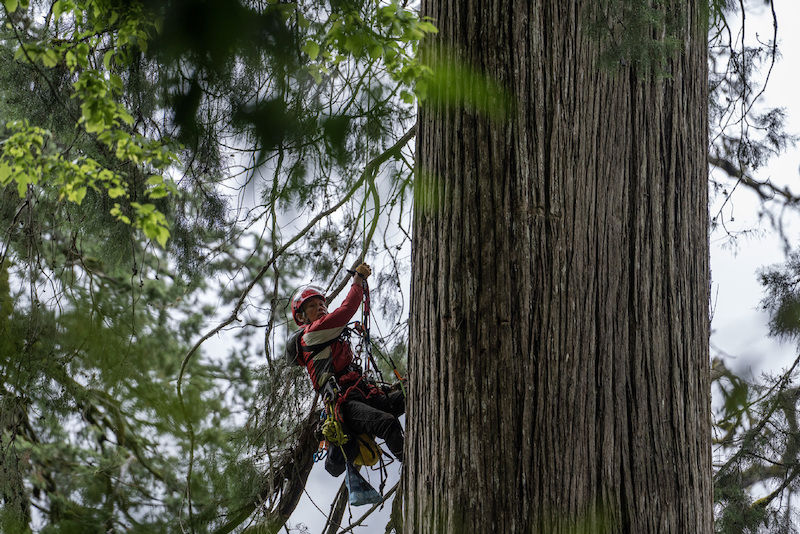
(365, 322)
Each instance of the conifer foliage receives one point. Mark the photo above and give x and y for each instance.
(166, 167)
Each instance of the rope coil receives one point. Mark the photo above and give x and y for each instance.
(332, 429)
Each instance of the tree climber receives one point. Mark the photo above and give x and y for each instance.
(322, 347)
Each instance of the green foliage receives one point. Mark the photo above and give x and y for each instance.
(474, 90)
(391, 37)
(735, 415)
(291, 117)
(745, 134)
(32, 157)
(759, 448)
(758, 438)
(644, 34)
(98, 326)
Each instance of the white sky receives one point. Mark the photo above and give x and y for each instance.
(738, 327)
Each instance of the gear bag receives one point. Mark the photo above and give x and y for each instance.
(358, 489)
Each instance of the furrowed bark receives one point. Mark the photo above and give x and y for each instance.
(559, 324)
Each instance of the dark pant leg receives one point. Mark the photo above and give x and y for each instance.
(335, 460)
(393, 402)
(361, 418)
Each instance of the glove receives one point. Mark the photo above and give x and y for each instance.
(363, 271)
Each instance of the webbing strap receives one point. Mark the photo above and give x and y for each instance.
(313, 350)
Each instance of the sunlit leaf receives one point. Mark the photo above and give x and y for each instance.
(312, 49)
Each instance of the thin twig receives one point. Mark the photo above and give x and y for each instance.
(368, 512)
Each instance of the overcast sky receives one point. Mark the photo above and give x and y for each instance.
(739, 328)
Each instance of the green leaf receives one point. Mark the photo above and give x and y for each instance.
(50, 58)
(315, 73)
(427, 27)
(154, 225)
(107, 59)
(116, 82)
(5, 173)
(22, 183)
(302, 21)
(117, 212)
(376, 51)
(312, 49)
(143, 209)
(126, 117)
(158, 192)
(162, 234)
(77, 195)
(116, 192)
(82, 55)
(11, 5)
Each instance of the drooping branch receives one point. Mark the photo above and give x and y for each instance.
(302, 453)
(766, 190)
(373, 165)
(757, 429)
(294, 468)
(334, 522)
(368, 170)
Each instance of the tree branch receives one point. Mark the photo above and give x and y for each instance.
(377, 161)
(338, 506)
(295, 467)
(368, 512)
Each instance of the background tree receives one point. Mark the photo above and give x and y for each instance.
(559, 320)
(756, 422)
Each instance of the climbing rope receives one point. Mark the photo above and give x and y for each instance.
(332, 429)
(365, 323)
(365, 344)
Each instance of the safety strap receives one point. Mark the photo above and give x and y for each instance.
(313, 350)
(366, 314)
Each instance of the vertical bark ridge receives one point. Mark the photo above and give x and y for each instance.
(559, 323)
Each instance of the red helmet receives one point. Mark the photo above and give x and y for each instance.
(301, 296)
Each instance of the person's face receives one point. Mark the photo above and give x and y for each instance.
(314, 308)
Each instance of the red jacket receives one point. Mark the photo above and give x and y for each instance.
(334, 358)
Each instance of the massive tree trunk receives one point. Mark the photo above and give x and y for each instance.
(559, 322)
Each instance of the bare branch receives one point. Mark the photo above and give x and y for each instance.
(368, 512)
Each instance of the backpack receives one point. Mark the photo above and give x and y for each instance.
(292, 349)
